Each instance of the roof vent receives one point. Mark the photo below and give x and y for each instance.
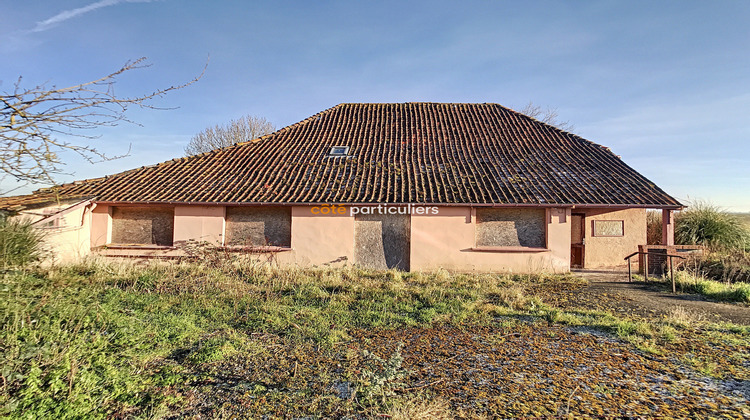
(339, 151)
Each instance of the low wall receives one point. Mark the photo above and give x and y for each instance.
(658, 262)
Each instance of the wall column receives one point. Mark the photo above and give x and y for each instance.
(667, 227)
(101, 225)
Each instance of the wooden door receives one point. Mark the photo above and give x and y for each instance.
(577, 240)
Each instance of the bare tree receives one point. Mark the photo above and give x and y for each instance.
(547, 116)
(33, 120)
(236, 131)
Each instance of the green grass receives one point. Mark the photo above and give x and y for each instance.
(100, 340)
(20, 243)
(688, 282)
(721, 291)
(87, 340)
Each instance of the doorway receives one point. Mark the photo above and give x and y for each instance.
(577, 240)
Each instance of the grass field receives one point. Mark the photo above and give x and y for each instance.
(745, 217)
(100, 340)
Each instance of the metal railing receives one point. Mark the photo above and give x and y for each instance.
(645, 265)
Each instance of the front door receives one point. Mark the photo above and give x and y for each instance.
(577, 239)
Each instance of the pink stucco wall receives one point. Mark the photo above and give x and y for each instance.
(101, 225)
(447, 240)
(601, 252)
(199, 223)
(320, 238)
(444, 240)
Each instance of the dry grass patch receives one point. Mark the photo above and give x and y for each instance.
(679, 316)
(421, 409)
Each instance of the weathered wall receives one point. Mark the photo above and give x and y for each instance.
(66, 239)
(447, 240)
(603, 252)
(143, 225)
(199, 223)
(450, 239)
(258, 226)
(381, 241)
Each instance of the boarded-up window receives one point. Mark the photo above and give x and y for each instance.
(382, 241)
(511, 227)
(259, 226)
(609, 228)
(143, 225)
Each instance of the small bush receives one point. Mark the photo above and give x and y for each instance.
(382, 377)
(708, 225)
(20, 243)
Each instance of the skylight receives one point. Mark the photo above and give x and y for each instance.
(339, 151)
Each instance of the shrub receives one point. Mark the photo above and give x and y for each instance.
(708, 225)
(727, 266)
(20, 243)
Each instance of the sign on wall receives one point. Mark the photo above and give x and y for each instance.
(609, 228)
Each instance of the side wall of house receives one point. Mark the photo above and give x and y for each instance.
(448, 240)
(67, 237)
(610, 251)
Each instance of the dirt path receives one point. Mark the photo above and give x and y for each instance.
(611, 291)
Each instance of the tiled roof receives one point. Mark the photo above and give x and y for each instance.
(398, 153)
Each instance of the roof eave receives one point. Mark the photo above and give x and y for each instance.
(272, 203)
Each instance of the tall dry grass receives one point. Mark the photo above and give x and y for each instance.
(705, 224)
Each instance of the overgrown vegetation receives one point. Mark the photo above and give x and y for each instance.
(722, 291)
(20, 243)
(91, 338)
(705, 224)
(101, 340)
(725, 267)
(724, 236)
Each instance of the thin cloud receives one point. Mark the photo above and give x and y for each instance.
(70, 14)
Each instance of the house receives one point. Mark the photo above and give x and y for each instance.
(412, 186)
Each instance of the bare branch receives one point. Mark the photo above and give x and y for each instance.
(32, 120)
(236, 131)
(547, 116)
